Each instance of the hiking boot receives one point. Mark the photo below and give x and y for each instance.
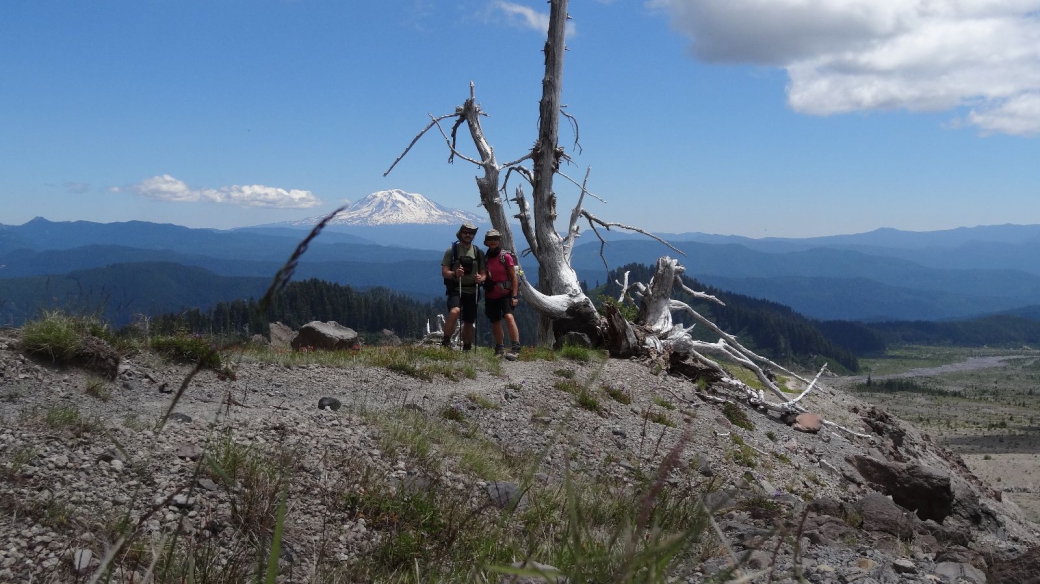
(514, 352)
(499, 350)
(446, 342)
(467, 347)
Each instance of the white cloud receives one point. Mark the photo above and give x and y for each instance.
(170, 189)
(855, 55)
(527, 17)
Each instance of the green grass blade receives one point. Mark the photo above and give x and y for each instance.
(276, 540)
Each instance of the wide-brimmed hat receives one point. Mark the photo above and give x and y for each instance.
(492, 234)
(466, 227)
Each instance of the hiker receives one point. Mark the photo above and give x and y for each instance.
(464, 269)
(502, 294)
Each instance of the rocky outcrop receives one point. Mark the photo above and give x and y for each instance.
(913, 486)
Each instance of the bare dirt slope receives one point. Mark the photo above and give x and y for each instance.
(798, 503)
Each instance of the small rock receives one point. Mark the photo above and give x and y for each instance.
(504, 494)
(808, 422)
(619, 432)
(330, 403)
(904, 566)
(81, 560)
(725, 423)
(164, 387)
(545, 574)
(208, 484)
(117, 465)
(189, 451)
(865, 564)
(179, 417)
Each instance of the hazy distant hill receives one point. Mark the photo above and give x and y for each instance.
(121, 290)
(831, 283)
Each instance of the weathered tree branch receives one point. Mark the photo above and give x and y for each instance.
(416, 139)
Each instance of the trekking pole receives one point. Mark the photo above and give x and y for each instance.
(457, 337)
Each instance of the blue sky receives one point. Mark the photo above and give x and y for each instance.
(749, 117)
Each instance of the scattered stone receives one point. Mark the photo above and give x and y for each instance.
(164, 387)
(179, 417)
(724, 422)
(1023, 569)
(703, 466)
(330, 403)
(619, 432)
(208, 484)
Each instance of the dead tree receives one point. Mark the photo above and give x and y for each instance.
(558, 298)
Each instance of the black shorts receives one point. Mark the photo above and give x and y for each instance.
(468, 302)
(496, 308)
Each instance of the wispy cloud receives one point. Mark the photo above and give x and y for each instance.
(76, 188)
(169, 189)
(857, 55)
(527, 17)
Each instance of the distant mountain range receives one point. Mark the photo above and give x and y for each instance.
(882, 275)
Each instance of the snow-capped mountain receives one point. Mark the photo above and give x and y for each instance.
(396, 207)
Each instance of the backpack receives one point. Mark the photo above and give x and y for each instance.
(506, 284)
(466, 262)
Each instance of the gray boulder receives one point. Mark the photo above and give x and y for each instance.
(330, 336)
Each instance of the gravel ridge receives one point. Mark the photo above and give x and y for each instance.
(62, 489)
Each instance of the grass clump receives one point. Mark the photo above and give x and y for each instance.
(737, 416)
(72, 340)
(564, 373)
(56, 336)
(453, 413)
(188, 349)
(586, 400)
(619, 395)
(744, 454)
(659, 418)
(254, 480)
(537, 354)
(68, 417)
(576, 353)
(664, 403)
(97, 389)
(569, 386)
(482, 401)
